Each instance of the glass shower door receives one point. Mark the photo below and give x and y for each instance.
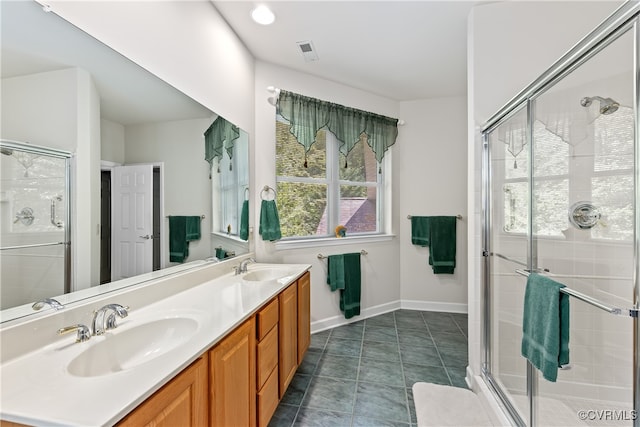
(33, 224)
(583, 232)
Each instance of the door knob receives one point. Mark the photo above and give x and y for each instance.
(146, 237)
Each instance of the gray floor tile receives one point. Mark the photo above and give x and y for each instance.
(318, 340)
(351, 331)
(381, 351)
(382, 402)
(427, 356)
(410, 323)
(359, 421)
(449, 340)
(386, 319)
(380, 333)
(381, 371)
(322, 418)
(444, 325)
(415, 337)
(296, 390)
(412, 406)
(331, 394)
(343, 347)
(284, 416)
(457, 376)
(310, 361)
(428, 374)
(454, 357)
(338, 367)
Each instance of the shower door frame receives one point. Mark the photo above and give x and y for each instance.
(66, 156)
(625, 18)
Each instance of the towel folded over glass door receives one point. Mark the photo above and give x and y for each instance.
(632, 312)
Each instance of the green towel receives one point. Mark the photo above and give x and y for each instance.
(221, 253)
(178, 245)
(269, 221)
(420, 230)
(545, 326)
(442, 244)
(344, 274)
(244, 221)
(192, 225)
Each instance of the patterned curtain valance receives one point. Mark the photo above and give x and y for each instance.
(220, 135)
(307, 116)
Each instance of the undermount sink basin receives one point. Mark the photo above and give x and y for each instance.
(268, 274)
(122, 350)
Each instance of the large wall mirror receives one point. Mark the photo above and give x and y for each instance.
(64, 90)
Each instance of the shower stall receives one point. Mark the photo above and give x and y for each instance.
(561, 197)
(34, 223)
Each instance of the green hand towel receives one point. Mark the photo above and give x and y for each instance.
(178, 245)
(269, 221)
(221, 253)
(442, 244)
(192, 224)
(545, 326)
(344, 274)
(420, 230)
(244, 221)
(335, 272)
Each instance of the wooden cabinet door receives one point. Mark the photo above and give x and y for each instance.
(181, 402)
(233, 378)
(288, 337)
(304, 315)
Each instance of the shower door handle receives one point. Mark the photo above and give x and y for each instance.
(54, 221)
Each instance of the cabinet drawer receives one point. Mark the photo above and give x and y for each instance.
(267, 318)
(268, 399)
(267, 356)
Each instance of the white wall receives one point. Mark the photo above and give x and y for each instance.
(111, 141)
(509, 45)
(186, 43)
(179, 145)
(432, 179)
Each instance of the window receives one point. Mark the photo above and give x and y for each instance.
(230, 180)
(331, 190)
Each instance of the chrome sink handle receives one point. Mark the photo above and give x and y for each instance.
(102, 323)
(38, 305)
(84, 333)
(242, 268)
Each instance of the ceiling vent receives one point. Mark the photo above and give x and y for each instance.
(308, 51)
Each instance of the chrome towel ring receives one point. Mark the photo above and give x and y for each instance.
(266, 190)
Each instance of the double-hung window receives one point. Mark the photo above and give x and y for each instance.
(333, 190)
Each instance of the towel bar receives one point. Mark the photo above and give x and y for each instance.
(632, 312)
(201, 216)
(362, 252)
(457, 216)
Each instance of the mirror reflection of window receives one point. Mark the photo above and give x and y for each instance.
(230, 179)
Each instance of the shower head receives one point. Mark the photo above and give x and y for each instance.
(607, 105)
(6, 151)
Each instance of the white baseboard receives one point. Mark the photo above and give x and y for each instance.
(448, 307)
(332, 322)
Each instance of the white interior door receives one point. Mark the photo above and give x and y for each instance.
(132, 221)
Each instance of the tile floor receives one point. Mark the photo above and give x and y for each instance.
(361, 374)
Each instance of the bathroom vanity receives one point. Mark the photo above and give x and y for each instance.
(202, 347)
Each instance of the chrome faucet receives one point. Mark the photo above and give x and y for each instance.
(84, 333)
(38, 305)
(102, 323)
(242, 268)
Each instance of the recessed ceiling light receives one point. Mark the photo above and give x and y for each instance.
(262, 15)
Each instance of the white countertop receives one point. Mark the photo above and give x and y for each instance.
(38, 389)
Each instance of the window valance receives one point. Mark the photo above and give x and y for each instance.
(218, 137)
(308, 115)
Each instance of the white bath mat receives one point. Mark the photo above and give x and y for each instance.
(441, 405)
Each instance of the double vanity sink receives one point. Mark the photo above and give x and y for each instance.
(98, 381)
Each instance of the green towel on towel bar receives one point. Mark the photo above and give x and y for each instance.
(343, 273)
(545, 325)
(420, 231)
(182, 230)
(442, 244)
(269, 221)
(244, 221)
